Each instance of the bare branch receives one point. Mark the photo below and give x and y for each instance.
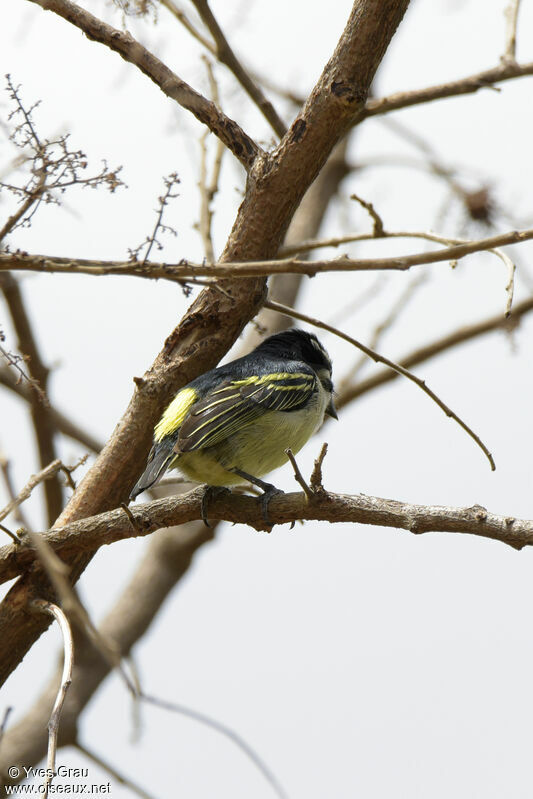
(45, 474)
(105, 765)
(215, 319)
(58, 573)
(3, 723)
(250, 753)
(316, 475)
(135, 254)
(382, 327)
(41, 418)
(18, 515)
(468, 85)
(88, 535)
(378, 230)
(421, 354)
(63, 424)
(226, 56)
(298, 475)
(19, 261)
(511, 14)
(182, 17)
(123, 43)
(33, 198)
(50, 609)
(209, 187)
(391, 364)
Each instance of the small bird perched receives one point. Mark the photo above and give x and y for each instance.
(234, 423)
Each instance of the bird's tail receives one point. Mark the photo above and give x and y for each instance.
(158, 461)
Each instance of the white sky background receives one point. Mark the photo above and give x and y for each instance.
(359, 662)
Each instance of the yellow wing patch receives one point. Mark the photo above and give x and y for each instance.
(260, 381)
(176, 412)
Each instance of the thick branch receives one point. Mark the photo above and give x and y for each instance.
(123, 43)
(89, 534)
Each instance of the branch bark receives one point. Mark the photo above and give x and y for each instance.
(24, 262)
(123, 43)
(453, 88)
(88, 535)
(43, 422)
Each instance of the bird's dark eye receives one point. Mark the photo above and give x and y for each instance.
(327, 384)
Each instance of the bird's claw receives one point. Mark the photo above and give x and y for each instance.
(210, 492)
(269, 491)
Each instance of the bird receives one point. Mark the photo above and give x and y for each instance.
(235, 423)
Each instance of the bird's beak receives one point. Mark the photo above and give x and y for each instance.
(331, 410)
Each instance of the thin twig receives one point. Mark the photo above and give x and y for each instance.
(58, 573)
(13, 536)
(455, 88)
(61, 422)
(105, 765)
(433, 348)
(275, 306)
(358, 301)
(226, 56)
(316, 482)
(298, 475)
(383, 326)
(208, 188)
(3, 724)
(378, 230)
(182, 17)
(48, 608)
(45, 474)
(14, 361)
(224, 730)
(18, 515)
(511, 15)
(23, 209)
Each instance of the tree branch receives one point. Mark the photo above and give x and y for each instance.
(24, 262)
(461, 336)
(226, 56)
(88, 535)
(274, 190)
(454, 88)
(61, 422)
(123, 43)
(43, 422)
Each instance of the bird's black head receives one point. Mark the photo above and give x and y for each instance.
(298, 345)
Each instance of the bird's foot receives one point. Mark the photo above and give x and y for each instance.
(268, 490)
(210, 493)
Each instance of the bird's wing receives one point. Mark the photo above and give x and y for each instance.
(237, 404)
(166, 433)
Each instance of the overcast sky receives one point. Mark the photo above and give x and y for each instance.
(358, 661)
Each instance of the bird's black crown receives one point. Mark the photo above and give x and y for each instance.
(299, 345)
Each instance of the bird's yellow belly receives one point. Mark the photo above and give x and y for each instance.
(256, 449)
